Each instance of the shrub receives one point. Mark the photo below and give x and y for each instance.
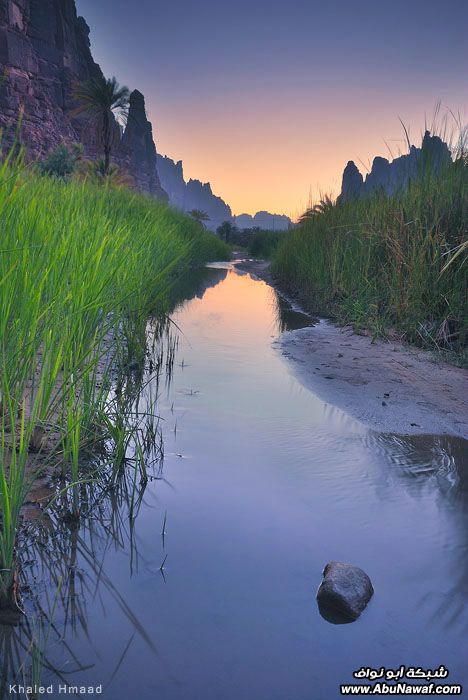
(62, 161)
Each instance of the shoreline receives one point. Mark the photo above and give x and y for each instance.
(388, 386)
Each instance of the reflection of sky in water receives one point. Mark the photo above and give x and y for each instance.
(263, 484)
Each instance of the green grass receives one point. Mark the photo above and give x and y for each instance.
(82, 267)
(263, 244)
(389, 263)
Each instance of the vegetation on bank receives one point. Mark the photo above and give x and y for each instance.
(388, 263)
(258, 243)
(82, 267)
(263, 244)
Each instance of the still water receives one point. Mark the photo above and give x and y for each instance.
(262, 484)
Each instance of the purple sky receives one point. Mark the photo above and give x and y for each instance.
(268, 100)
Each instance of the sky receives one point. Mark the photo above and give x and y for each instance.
(269, 99)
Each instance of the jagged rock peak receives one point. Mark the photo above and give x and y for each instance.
(436, 149)
(352, 181)
(390, 177)
(138, 141)
(193, 194)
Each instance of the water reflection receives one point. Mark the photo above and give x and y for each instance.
(288, 318)
(63, 569)
(434, 468)
(248, 484)
(425, 461)
(195, 285)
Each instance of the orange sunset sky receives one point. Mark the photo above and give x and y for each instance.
(268, 101)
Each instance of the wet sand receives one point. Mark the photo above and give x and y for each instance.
(388, 386)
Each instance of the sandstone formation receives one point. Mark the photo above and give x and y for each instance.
(352, 182)
(44, 52)
(345, 588)
(264, 220)
(139, 149)
(172, 179)
(192, 194)
(391, 177)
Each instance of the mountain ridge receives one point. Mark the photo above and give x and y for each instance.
(393, 176)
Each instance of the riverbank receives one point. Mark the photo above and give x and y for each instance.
(260, 486)
(393, 265)
(389, 386)
(83, 268)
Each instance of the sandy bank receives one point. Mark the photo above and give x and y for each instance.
(386, 385)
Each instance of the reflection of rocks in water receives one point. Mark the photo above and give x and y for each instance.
(195, 283)
(428, 465)
(425, 461)
(287, 318)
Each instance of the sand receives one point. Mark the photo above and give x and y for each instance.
(388, 386)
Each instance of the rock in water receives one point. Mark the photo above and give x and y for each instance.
(345, 588)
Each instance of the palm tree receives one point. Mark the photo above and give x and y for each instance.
(102, 99)
(325, 205)
(199, 216)
(226, 231)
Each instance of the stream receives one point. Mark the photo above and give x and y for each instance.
(262, 484)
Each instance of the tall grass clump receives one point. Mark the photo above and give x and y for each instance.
(81, 269)
(385, 262)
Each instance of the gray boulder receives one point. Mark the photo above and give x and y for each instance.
(345, 588)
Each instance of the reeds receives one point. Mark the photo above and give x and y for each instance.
(389, 262)
(81, 269)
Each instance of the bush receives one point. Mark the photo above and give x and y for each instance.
(61, 162)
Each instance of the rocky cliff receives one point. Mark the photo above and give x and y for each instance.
(172, 179)
(138, 149)
(44, 51)
(396, 175)
(192, 194)
(264, 220)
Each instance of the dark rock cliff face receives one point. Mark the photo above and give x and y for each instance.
(44, 51)
(396, 175)
(200, 196)
(352, 182)
(192, 194)
(138, 143)
(172, 179)
(44, 48)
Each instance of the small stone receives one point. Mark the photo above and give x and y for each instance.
(345, 588)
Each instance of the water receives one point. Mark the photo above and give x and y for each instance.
(262, 485)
